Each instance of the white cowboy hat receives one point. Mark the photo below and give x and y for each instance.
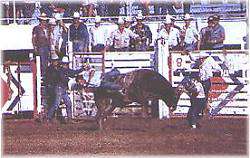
(187, 17)
(76, 15)
(65, 60)
(120, 21)
(43, 16)
(97, 19)
(139, 16)
(52, 21)
(128, 19)
(54, 57)
(168, 21)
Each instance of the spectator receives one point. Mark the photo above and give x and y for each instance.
(51, 28)
(171, 34)
(128, 22)
(41, 41)
(61, 37)
(120, 38)
(205, 35)
(61, 89)
(173, 19)
(98, 36)
(78, 34)
(217, 35)
(189, 35)
(36, 14)
(144, 32)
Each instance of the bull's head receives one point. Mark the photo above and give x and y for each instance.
(178, 91)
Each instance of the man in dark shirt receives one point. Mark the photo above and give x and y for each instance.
(61, 89)
(40, 41)
(217, 34)
(205, 35)
(144, 32)
(78, 34)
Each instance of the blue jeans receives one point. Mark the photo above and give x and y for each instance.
(206, 85)
(44, 54)
(61, 93)
(197, 105)
(78, 46)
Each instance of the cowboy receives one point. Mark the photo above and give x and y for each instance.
(41, 41)
(196, 93)
(61, 89)
(206, 66)
(205, 35)
(170, 34)
(60, 36)
(217, 34)
(120, 38)
(144, 32)
(78, 34)
(98, 36)
(189, 35)
(52, 79)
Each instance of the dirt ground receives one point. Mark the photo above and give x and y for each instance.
(127, 136)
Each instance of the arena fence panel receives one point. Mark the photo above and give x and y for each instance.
(228, 94)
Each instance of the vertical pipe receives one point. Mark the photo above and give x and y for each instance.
(14, 11)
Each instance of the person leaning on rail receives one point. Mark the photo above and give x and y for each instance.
(119, 39)
(98, 36)
(144, 32)
(41, 41)
(78, 34)
(205, 35)
(217, 34)
(190, 38)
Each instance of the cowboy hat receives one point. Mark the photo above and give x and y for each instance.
(128, 19)
(43, 16)
(52, 21)
(65, 60)
(168, 21)
(120, 21)
(76, 15)
(54, 57)
(139, 16)
(187, 17)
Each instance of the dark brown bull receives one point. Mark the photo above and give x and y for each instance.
(139, 86)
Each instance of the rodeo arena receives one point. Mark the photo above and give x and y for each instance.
(124, 78)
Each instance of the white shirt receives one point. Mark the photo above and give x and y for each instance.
(98, 35)
(170, 37)
(121, 39)
(200, 89)
(207, 67)
(190, 34)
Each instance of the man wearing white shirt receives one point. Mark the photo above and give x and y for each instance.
(190, 35)
(120, 38)
(170, 34)
(206, 68)
(98, 36)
